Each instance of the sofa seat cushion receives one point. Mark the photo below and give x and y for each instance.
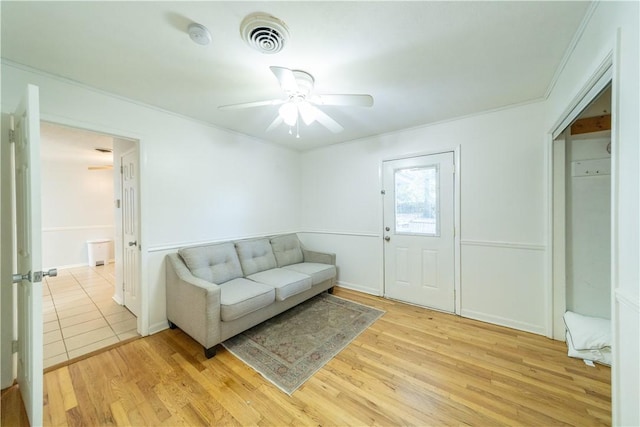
(216, 263)
(239, 297)
(285, 282)
(318, 272)
(287, 249)
(255, 255)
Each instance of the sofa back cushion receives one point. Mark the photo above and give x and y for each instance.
(287, 250)
(255, 255)
(217, 263)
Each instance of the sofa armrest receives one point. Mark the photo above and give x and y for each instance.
(319, 257)
(193, 304)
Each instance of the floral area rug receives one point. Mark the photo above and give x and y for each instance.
(289, 348)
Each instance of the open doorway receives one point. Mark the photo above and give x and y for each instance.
(82, 237)
(582, 205)
(588, 210)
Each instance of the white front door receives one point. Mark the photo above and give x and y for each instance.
(419, 230)
(29, 262)
(130, 231)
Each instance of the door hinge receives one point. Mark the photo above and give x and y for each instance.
(14, 346)
(121, 169)
(12, 136)
(383, 192)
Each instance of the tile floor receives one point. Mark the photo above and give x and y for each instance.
(80, 315)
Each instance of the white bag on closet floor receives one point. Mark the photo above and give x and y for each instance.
(588, 337)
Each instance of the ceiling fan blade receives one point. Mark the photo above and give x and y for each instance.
(328, 122)
(252, 104)
(286, 78)
(343, 99)
(275, 123)
(308, 112)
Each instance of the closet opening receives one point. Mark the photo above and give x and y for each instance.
(582, 201)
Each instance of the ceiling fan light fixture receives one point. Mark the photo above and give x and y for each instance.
(289, 113)
(307, 112)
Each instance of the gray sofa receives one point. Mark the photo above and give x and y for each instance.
(217, 291)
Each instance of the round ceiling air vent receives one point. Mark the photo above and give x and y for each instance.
(264, 33)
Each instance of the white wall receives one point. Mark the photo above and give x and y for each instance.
(502, 209)
(77, 205)
(588, 225)
(614, 28)
(198, 183)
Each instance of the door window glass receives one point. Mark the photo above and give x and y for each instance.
(416, 201)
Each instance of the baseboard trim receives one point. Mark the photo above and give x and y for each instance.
(359, 288)
(157, 327)
(503, 321)
(66, 267)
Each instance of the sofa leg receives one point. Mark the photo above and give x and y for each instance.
(330, 290)
(210, 352)
(172, 325)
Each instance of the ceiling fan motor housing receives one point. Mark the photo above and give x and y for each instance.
(305, 83)
(264, 33)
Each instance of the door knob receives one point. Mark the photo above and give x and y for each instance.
(36, 277)
(387, 238)
(53, 272)
(387, 228)
(17, 278)
(135, 243)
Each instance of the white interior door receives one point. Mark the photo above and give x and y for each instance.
(130, 231)
(28, 238)
(419, 230)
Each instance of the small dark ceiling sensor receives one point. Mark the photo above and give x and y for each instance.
(199, 34)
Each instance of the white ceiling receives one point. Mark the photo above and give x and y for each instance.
(70, 144)
(423, 62)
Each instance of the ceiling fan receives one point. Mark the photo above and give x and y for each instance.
(299, 102)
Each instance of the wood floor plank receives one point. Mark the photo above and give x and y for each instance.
(12, 411)
(411, 367)
(119, 413)
(57, 414)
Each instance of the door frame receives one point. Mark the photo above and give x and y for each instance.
(456, 217)
(7, 268)
(139, 144)
(602, 76)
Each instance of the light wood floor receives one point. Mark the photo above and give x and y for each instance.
(412, 367)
